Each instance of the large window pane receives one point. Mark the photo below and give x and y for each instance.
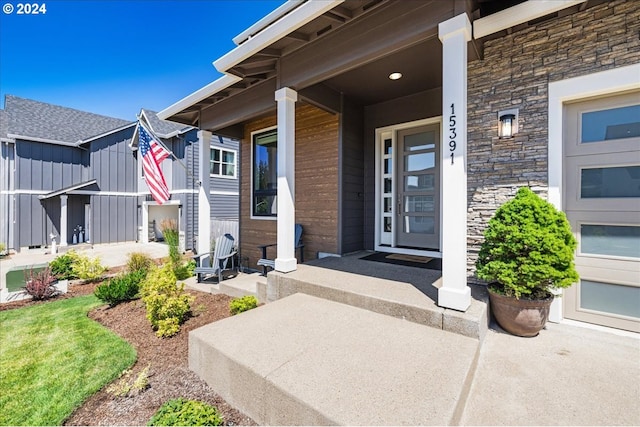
(265, 173)
(608, 298)
(420, 141)
(621, 181)
(419, 182)
(419, 162)
(418, 204)
(419, 224)
(615, 123)
(612, 240)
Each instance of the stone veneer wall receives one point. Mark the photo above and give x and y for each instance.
(515, 73)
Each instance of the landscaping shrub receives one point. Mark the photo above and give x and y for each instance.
(125, 387)
(61, 266)
(139, 261)
(3, 248)
(528, 248)
(170, 232)
(121, 288)
(182, 412)
(184, 271)
(86, 268)
(238, 305)
(166, 302)
(40, 285)
(181, 269)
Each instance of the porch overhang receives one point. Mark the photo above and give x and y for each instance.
(331, 44)
(67, 190)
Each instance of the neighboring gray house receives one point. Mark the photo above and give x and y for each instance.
(77, 176)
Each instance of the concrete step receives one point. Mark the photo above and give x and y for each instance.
(304, 360)
(390, 297)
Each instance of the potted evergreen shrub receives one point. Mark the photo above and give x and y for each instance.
(528, 251)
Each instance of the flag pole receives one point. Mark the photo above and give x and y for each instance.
(159, 140)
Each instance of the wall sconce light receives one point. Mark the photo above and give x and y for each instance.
(508, 123)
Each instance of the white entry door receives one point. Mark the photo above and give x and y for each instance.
(602, 203)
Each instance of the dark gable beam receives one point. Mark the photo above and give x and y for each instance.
(364, 40)
(297, 35)
(322, 97)
(241, 107)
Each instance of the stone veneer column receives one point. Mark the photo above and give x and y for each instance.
(63, 220)
(204, 205)
(454, 35)
(286, 259)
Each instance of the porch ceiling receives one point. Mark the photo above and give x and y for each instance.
(420, 65)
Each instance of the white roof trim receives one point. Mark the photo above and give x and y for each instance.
(67, 189)
(84, 141)
(197, 96)
(45, 140)
(518, 14)
(266, 21)
(295, 19)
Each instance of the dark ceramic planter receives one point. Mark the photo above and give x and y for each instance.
(521, 317)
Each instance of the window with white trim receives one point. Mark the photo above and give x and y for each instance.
(264, 174)
(223, 163)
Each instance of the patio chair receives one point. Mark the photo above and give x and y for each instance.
(266, 263)
(215, 263)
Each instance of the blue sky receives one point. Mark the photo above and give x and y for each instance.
(114, 57)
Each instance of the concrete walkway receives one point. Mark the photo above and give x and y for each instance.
(303, 360)
(111, 255)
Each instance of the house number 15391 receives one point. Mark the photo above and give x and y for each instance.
(452, 132)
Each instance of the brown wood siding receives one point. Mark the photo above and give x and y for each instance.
(316, 186)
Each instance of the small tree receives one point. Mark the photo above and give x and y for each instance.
(528, 248)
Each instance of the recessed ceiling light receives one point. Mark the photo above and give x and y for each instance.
(395, 76)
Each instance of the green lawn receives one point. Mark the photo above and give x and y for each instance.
(52, 358)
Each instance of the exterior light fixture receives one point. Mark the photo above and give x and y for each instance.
(508, 123)
(395, 76)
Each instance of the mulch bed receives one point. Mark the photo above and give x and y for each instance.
(169, 374)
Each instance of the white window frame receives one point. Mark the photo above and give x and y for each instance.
(235, 163)
(252, 216)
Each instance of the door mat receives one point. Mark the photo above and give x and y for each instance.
(410, 258)
(406, 260)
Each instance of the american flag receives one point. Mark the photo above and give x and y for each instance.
(152, 155)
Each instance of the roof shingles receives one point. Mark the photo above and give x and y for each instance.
(36, 119)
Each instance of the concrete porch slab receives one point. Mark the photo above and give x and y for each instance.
(393, 294)
(304, 360)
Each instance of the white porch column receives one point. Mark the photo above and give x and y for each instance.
(63, 220)
(454, 35)
(286, 257)
(204, 206)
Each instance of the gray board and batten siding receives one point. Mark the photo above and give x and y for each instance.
(48, 151)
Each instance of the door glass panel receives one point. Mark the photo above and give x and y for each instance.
(387, 204)
(615, 123)
(418, 204)
(621, 181)
(608, 298)
(387, 224)
(387, 166)
(419, 224)
(387, 185)
(420, 141)
(610, 240)
(387, 146)
(419, 182)
(419, 162)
